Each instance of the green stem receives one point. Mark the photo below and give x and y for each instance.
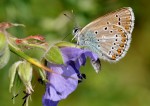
(28, 58)
(35, 45)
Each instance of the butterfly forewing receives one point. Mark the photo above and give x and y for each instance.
(123, 17)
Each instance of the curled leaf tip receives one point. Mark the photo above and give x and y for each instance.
(16, 24)
(6, 25)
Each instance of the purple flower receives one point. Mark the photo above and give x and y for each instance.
(60, 86)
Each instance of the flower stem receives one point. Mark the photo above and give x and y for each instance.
(28, 58)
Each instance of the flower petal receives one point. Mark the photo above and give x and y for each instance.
(47, 102)
(70, 53)
(76, 57)
(59, 87)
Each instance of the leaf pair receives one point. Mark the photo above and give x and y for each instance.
(23, 70)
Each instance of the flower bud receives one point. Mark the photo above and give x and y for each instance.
(4, 51)
(25, 74)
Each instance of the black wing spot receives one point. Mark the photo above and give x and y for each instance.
(116, 15)
(111, 31)
(96, 32)
(105, 28)
(119, 23)
(107, 22)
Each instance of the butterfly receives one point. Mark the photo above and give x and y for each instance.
(108, 36)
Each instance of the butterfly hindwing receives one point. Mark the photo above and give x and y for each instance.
(110, 42)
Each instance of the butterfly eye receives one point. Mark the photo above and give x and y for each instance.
(75, 30)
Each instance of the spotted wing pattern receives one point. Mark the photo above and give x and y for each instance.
(110, 35)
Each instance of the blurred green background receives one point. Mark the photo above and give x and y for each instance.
(126, 83)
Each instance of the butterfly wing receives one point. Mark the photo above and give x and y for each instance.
(123, 17)
(107, 37)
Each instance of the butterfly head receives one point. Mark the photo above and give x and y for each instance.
(76, 32)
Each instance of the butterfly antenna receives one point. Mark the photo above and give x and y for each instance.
(72, 18)
(66, 36)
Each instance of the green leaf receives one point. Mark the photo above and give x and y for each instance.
(54, 55)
